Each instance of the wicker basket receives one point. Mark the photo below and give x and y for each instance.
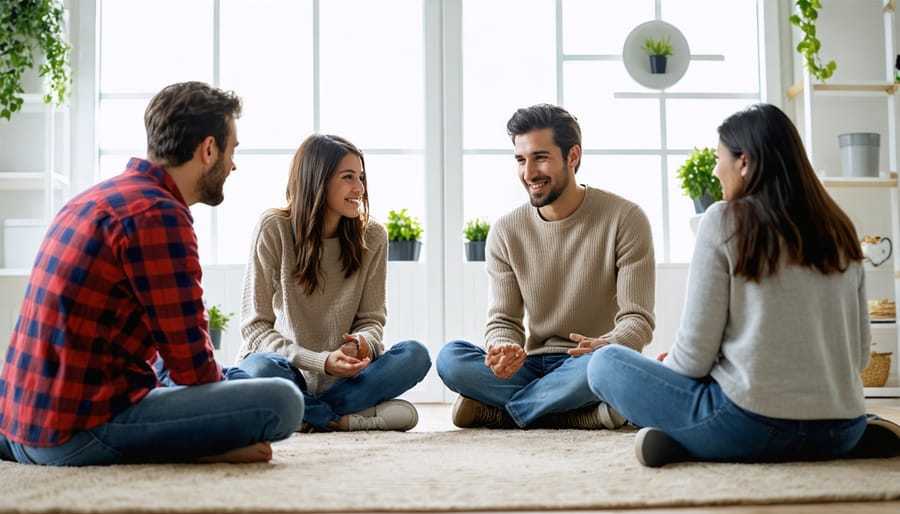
(876, 373)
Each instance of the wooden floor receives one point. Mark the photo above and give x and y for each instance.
(437, 417)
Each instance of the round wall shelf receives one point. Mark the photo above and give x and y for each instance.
(637, 62)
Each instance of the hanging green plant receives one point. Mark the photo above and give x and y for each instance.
(28, 27)
(808, 13)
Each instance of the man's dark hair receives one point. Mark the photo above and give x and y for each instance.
(182, 115)
(566, 131)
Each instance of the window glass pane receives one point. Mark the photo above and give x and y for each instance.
(737, 41)
(372, 74)
(606, 121)
(681, 210)
(139, 49)
(509, 61)
(636, 178)
(257, 184)
(589, 27)
(120, 125)
(397, 182)
(491, 186)
(266, 57)
(694, 122)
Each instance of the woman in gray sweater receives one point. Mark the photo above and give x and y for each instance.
(775, 328)
(314, 302)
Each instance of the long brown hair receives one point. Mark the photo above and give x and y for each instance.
(782, 205)
(313, 165)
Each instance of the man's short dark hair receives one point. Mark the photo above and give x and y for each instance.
(566, 131)
(182, 115)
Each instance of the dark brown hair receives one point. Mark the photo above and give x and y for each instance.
(182, 115)
(314, 163)
(782, 205)
(566, 131)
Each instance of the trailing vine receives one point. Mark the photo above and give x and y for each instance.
(809, 46)
(28, 27)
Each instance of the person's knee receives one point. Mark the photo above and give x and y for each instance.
(287, 402)
(262, 365)
(600, 367)
(417, 356)
(449, 359)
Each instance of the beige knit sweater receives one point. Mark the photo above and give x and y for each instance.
(592, 273)
(277, 316)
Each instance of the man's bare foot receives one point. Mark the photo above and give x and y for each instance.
(259, 452)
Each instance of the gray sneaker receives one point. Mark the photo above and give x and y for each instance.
(594, 417)
(391, 415)
(654, 448)
(469, 413)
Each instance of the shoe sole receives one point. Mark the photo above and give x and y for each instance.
(654, 448)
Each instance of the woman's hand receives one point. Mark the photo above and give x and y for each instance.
(339, 364)
(504, 359)
(355, 346)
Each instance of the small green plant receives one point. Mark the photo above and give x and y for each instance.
(26, 28)
(476, 229)
(218, 320)
(403, 227)
(661, 46)
(697, 174)
(809, 46)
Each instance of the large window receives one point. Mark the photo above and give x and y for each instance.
(358, 68)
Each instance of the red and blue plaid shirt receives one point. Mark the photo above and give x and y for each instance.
(116, 282)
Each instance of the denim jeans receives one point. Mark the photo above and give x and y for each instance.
(697, 414)
(178, 424)
(393, 373)
(545, 386)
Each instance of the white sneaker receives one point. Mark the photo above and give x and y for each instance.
(390, 415)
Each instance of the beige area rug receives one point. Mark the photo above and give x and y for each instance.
(440, 471)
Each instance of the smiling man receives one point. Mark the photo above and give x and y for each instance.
(115, 290)
(570, 271)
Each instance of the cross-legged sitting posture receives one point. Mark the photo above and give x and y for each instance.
(576, 264)
(115, 289)
(314, 303)
(775, 328)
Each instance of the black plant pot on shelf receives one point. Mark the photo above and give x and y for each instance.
(658, 63)
(404, 250)
(475, 250)
(215, 335)
(702, 203)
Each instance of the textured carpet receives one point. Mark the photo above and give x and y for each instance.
(446, 471)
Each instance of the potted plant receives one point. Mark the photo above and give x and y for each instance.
(808, 47)
(698, 180)
(218, 323)
(659, 50)
(475, 232)
(404, 236)
(31, 33)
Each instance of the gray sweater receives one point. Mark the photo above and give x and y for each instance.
(791, 346)
(592, 273)
(277, 316)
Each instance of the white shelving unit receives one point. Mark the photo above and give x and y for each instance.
(872, 203)
(35, 175)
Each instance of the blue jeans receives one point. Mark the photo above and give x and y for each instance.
(697, 414)
(178, 424)
(544, 388)
(393, 373)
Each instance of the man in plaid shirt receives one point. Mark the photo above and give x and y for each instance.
(115, 288)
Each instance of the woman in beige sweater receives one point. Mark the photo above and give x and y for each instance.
(314, 303)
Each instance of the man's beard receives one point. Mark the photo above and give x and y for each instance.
(212, 183)
(551, 196)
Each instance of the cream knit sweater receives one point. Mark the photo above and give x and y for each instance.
(592, 273)
(277, 316)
